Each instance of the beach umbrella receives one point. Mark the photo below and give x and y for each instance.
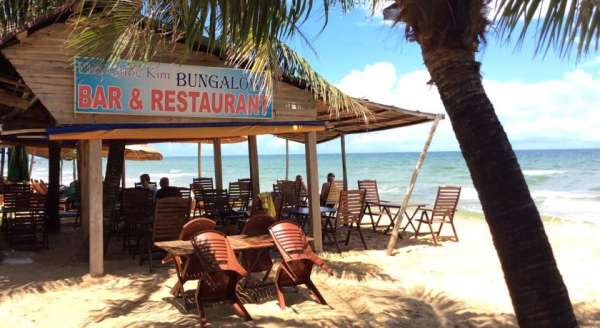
(18, 168)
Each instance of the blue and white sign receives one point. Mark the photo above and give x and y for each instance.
(158, 89)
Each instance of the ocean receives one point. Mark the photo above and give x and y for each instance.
(564, 183)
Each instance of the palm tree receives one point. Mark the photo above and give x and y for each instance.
(449, 33)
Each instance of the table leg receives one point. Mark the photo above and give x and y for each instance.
(410, 219)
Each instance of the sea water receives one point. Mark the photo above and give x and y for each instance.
(564, 183)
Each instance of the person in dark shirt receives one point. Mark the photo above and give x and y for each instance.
(165, 190)
(325, 188)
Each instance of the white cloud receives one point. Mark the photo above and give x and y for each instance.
(549, 114)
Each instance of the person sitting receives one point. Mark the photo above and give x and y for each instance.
(145, 182)
(165, 190)
(300, 186)
(326, 186)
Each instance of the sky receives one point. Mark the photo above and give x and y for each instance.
(543, 102)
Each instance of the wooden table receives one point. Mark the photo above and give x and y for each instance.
(303, 212)
(237, 242)
(387, 206)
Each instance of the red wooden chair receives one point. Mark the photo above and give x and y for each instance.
(257, 260)
(298, 260)
(188, 267)
(219, 272)
(443, 212)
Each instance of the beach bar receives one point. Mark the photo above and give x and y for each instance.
(50, 98)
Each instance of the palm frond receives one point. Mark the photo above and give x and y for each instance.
(277, 61)
(561, 25)
(15, 14)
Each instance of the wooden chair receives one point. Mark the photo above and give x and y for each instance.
(443, 211)
(198, 184)
(139, 184)
(188, 267)
(288, 199)
(257, 260)
(371, 197)
(169, 217)
(298, 260)
(219, 272)
(333, 195)
(136, 210)
(16, 199)
(349, 214)
(27, 227)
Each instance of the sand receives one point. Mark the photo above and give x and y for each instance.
(456, 284)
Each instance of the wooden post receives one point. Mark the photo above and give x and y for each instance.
(344, 169)
(218, 163)
(199, 160)
(31, 161)
(312, 175)
(74, 162)
(123, 175)
(287, 160)
(254, 170)
(409, 189)
(53, 197)
(61, 172)
(2, 159)
(93, 197)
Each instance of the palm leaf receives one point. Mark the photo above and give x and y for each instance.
(562, 25)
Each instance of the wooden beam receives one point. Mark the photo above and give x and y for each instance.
(312, 175)
(344, 168)
(93, 196)
(254, 167)
(82, 167)
(409, 189)
(10, 100)
(218, 163)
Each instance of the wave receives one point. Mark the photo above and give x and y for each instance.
(543, 172)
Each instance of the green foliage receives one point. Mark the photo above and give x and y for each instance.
(16, 13)
(561, 25)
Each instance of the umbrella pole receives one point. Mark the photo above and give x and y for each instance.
(60, 176)
(2, 159)
(31, 165)
(123, 180)
(75, 169)
(344, 169)
(287, 160)
(199, 160)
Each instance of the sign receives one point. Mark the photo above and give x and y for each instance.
(158, 89)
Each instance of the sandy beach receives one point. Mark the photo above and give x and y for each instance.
(456, 284)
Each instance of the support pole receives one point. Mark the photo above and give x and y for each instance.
(82, 168)
(411, 185)
(312, 174)
(60, 181)
(53, 197)
(93, 199)
(31, 161)
(254, 171)
(123, 175)
(218, 163)
(2, 159)
(199, 160)
(74, 162)
(287, 160)
(344, 169)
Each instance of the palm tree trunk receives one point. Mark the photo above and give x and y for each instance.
(539, 296)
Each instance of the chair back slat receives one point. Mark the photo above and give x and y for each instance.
(333, 195)
(371, 190)
(169, 218)
(17, 197)
(257, 225)
(446, 202)
(195, 226)
(289, 239)
(215, 253)
(351, 206)
(140, 185)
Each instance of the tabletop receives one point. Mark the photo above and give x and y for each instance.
(237, 242)
(388, 204)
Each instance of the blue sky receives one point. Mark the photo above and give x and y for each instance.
(544, 102)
